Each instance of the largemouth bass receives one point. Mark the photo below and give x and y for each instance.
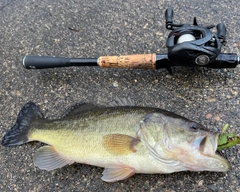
(123, 139)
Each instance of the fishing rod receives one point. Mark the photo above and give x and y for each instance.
(188, 45)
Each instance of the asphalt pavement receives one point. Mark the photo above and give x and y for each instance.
(89, 28)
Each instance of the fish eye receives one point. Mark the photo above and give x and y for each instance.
(193, 125)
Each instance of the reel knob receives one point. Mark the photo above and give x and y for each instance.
(168, 18)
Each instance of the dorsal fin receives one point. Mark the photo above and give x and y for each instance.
(84, 107)
(81, 108)
(125, 101)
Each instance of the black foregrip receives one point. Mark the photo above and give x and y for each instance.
(225, 60)
(41, 62)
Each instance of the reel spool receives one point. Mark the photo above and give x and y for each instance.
(185, 38)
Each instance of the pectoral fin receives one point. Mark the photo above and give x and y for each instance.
(117, 172)
(119, 144)
(48, 159)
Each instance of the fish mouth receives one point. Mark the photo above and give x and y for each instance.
(208, 143)
(208, 159)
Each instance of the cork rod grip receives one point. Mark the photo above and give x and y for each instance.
(140, 61)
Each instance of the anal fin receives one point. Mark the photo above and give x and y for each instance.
(48, 159)
(117, 172)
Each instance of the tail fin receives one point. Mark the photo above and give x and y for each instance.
(18, 134)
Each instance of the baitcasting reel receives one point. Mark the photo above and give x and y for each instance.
(188, 45)
(193, 44)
